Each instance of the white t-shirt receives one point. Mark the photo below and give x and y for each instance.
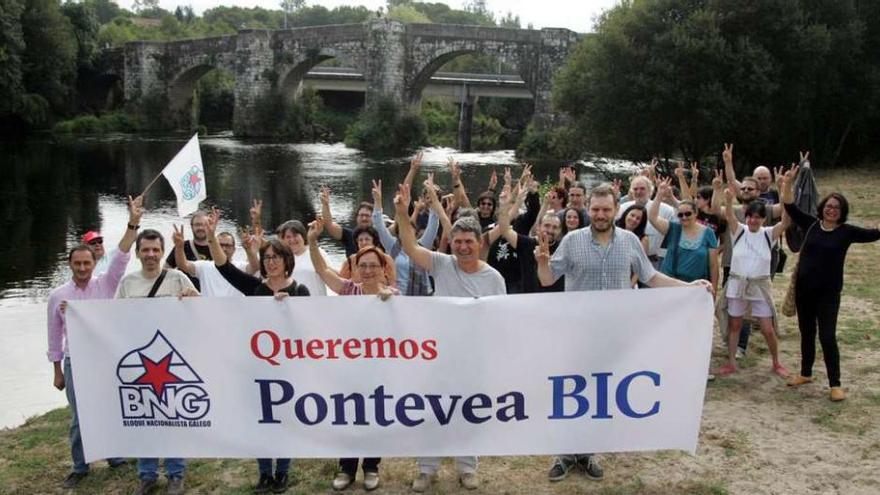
(136, 285)
(450, 280)
(212, 283)
(655, 238)
(304, 273)
(751, 255)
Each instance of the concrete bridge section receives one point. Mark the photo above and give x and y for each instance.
(393, 60)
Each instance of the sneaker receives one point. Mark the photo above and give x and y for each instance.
(73, 479)
(740, 353)
(175, 486)
(342, 481)
(799, 380)
(710, 377)
(837, 394)
(727, 369)
(146, 486)
(371, 481)
(559, 470)
(780, 370)
(422, 482)
(592, 469)
(265, 483)
(280, 483)
(469, 481)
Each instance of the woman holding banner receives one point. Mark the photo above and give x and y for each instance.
(276, 268)
(370, 264)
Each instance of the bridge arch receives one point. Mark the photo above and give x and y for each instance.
(292, 74)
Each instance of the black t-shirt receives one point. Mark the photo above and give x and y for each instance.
(349, 242)
(714, 222)
(503, 258)
(823, 253)
(525, 250)
(200, 253)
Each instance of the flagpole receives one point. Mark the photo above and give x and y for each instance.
(152, 182)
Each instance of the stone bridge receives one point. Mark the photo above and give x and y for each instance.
(396, 60)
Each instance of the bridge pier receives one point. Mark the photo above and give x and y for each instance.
(466, 120)
(385, 61)
(256, 83)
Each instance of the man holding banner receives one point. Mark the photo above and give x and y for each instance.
(601, 257)
(154, 281)
(461, 274)
(83, 285)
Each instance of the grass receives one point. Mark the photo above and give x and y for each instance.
(757, 435)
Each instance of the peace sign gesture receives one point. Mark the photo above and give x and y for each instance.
(177, 236)
(542, 250)
(402, 199)
(727, 154)
(805, 156)
(135, 209)
(718, 180)
(377, 192)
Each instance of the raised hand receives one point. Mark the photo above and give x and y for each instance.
(805, 155)
(679, 170)
(402, 199)
(718, 180)
(508, 176)
(377, 192)
(695, 170)
(416, 161)
(177, 236)
(315, 229)
(213, 221)
(135, 209)
(778, 175)
(256, 211)
(727, 154)
(664, 187)
(542, 250)
(526, 175)
(454, 170)
(728, 197)
(790, 175)
(493, 180)
(324, 194)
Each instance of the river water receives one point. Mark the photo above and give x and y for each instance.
(53, 191)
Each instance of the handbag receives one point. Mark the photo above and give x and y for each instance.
(789, 308)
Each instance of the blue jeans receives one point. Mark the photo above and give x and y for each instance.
(76, 445)
(281, 466)
(148, 468)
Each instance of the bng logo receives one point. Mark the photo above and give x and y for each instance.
(158, 384)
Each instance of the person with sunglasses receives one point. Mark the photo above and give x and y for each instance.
(276, 271)
(819, 278)
(691, 247)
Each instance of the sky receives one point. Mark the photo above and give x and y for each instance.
(577, 15)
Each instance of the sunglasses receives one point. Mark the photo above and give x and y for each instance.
(96, 242)
(685, 214)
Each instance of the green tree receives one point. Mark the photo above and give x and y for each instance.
(85, 25)
(49, 59)
(11, 48)
(679, 77)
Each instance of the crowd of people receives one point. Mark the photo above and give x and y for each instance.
(661, 232)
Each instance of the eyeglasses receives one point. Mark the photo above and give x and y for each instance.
(96, 242)
(271, 257)
(369, 266)
(747, 189)
(685, 214)
(832, 207)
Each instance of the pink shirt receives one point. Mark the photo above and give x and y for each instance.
(99, 287)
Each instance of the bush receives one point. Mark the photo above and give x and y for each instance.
(561, 143)
(90, 124)
(384, 128)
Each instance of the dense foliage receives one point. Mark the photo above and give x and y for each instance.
(679, 77)
(385, 129)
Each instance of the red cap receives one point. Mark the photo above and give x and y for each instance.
(91, 236)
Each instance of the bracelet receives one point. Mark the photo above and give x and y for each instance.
(133, 227)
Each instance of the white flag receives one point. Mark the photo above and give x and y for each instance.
(186, 175)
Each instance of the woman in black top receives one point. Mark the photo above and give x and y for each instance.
(276, 266)
(820, 278)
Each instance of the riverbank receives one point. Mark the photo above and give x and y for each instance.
(757, 435)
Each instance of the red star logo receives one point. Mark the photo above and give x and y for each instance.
(194, 179)
(157, 374)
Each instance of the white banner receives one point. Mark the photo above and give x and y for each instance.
(186, 175)
(414, 376)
